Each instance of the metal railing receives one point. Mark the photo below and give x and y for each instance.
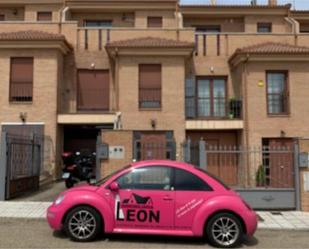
(149, 97)
(21, 92)
(217, 108)
(245, 167)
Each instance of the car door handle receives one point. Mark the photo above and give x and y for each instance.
(167, 198)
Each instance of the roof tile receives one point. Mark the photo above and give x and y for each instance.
(31, 35)
(150, 42)
(273, 48)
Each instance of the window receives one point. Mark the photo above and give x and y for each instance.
(150, 86)
(93, 90)
(264, 27)
(45, 16)
(2, 17)
(154, 22)
(211, 100)
(208, 28)
(148, 178)
(277, 96)
(21, 79)
(98, 23)
(187, 181)
(304, 27)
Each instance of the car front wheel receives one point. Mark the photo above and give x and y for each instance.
(224, 230)
(83, 224)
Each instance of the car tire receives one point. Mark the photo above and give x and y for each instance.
(83, 224)
(224, 230)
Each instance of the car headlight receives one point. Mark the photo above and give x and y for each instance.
(59, 199)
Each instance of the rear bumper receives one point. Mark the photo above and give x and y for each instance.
(54, 217)
(251, 222)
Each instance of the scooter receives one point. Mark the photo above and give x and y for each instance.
(77, 168)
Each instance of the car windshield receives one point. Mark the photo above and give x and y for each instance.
(103, 180)
(214, 177)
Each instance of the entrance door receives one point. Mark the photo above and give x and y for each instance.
(24, 151)
(281, 167)
(145, 199)
(221, 160)
(153, 145)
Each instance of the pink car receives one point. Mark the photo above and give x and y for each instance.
(155, 197)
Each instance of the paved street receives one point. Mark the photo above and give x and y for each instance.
(25, 233)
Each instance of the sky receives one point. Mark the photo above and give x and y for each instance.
(297, 4)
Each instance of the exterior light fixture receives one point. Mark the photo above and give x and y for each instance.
(153, 123)
(23, 117)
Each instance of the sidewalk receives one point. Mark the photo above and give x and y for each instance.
(292, 220)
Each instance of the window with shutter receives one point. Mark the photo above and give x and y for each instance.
(155, 22)
(21, 79)
(44, 16)
(93, 90)
(150, 86)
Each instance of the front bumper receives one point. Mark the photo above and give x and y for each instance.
(54, 217)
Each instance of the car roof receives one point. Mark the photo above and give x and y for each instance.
(163, 163)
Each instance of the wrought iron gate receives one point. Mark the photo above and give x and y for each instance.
(265, 176)
(23, 163)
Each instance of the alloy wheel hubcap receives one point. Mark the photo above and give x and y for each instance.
(225, 231)
(82, 224)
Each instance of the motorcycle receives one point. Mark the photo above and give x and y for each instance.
(77, 168)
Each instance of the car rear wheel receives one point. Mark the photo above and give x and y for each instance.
(83, 224)
(224, 230)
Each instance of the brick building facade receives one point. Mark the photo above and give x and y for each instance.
(230, 75)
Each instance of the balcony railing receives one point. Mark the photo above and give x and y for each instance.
(213, 109)
(95, 39)
(225, 44)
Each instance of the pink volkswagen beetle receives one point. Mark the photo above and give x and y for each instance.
(155, 197)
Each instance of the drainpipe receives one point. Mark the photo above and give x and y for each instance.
(64, 14)
(294, 24)
(245, 116)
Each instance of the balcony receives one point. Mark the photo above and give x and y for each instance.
(223, 45)
(216, 113)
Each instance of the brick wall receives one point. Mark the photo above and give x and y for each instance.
(171, 116)
(45, 82)
(117, 138)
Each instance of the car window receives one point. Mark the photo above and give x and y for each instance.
(185, 180)
(106, 178)
(214, 178)
(147, 178)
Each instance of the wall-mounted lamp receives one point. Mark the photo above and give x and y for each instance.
(212, 69)
(153, 123)
(23, 117)
(92, 65)
(282, 133)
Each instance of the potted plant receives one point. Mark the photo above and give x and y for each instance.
(260, 177)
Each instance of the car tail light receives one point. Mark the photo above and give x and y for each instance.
(72, 167)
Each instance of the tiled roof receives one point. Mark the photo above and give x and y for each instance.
(273, 48)
(150, 42)
(31, 35)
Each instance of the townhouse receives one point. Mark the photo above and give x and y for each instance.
(153, 73)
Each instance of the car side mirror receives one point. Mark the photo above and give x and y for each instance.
(114, 187)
